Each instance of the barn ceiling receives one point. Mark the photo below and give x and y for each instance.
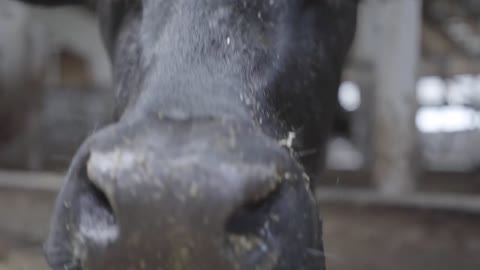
(458, 21)
(450, 37)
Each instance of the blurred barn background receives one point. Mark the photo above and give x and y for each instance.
(402, 185)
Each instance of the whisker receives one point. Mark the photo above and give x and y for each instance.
(305, 153)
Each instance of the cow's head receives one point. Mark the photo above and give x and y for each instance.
(195, 174)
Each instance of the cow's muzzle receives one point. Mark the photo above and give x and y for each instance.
(184, 195)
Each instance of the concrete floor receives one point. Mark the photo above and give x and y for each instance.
(24, 218)
(22, 259)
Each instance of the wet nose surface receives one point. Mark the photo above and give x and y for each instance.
(180, 200)
(189, 195)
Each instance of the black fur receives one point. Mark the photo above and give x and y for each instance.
(228, 82)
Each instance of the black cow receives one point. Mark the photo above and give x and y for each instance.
(223, 108)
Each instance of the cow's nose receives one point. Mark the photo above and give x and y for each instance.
(187, 198)
(190, 209)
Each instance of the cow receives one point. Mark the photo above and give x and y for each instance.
(223, 108)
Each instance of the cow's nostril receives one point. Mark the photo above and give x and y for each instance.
(252, 217)
(97, 222)
(249, 238)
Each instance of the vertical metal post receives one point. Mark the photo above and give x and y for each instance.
(396, 60)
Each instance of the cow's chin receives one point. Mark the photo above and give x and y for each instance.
(184, 195)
